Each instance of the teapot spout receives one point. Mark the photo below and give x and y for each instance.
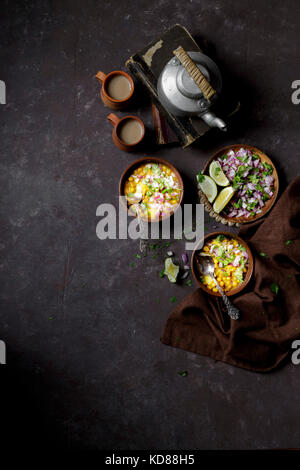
(213, 121)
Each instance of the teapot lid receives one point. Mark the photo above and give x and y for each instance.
(186, 85)
(178, 91)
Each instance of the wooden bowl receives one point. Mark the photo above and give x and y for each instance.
(142, 161)
(223, 218)
(197, 275)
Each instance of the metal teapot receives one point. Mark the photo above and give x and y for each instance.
(189, 84)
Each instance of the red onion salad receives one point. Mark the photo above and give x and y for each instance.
(251, 178)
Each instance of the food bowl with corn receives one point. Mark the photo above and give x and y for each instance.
(232, 260)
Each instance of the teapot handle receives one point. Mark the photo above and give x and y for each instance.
(194, 71)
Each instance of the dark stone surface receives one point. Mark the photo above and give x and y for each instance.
(85, 364)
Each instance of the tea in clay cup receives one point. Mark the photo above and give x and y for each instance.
(117, 89)
(128, 132)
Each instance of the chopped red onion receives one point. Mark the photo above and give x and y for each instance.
(185, 275)
(184, 258)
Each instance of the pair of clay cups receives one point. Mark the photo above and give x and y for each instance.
(123, 139)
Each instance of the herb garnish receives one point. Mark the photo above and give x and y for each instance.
(274, 288)
(182, 373)
(200, 177)
(268, 167)
(239, 274)
(238, 205)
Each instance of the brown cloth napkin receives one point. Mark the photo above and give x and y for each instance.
(262, 337)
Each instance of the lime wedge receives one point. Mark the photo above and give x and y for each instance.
(171, 270)
(223, 198)
(208, 186)
(217, 174)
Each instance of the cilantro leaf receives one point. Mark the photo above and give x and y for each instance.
(264, 255)
(200, 177)
(220, 251)
(183, 373)
(274, 288)
(239, 274)
(265, 197)
(268, 167)
(238, 204)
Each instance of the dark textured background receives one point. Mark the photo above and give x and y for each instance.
(86, 368)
